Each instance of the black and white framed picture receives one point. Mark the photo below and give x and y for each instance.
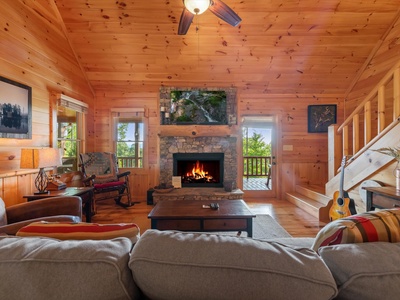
(320, 117)
(15, 109)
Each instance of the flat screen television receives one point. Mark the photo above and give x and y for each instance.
(198, 107)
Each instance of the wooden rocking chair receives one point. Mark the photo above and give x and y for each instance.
(107, 182)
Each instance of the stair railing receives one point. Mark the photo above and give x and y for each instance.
(375, 115)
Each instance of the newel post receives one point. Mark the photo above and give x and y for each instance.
(334, 150)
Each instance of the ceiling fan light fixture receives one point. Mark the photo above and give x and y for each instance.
(196, 7)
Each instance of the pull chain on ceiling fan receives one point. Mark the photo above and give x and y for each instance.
(197, 7)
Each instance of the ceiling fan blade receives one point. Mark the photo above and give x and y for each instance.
(224, 12)
(185, 21)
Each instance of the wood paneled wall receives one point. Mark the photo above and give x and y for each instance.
(384, 59)
(305, 164)
(34, 51)
(386, 56)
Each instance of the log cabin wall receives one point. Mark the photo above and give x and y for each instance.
(281, 58)
(35, 51)
(382, 58)
(305, 164)
(381, 61)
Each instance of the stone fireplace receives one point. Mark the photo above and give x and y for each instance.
(193, 149)
(213, 157)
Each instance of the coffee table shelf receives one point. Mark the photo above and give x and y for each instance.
(189, 215)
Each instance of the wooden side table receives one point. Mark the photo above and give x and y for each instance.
(382, 197)
(86, 194)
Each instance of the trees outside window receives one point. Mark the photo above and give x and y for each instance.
(129, 142)
(68, 140)
(255, 145)
(256, 151)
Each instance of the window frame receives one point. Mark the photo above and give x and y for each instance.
(130, 113)
(81, 109)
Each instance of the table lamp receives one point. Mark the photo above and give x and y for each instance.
(40, 159)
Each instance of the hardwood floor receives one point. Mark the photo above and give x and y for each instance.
(297, 222)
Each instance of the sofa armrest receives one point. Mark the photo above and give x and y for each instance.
(55, 206)
(12, 229)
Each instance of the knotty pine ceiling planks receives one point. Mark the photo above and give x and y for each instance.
(281, 47)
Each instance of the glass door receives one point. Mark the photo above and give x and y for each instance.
(258, 150)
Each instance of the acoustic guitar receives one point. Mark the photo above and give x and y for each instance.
(342, 206)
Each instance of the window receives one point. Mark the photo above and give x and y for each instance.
(129, 139)
(70, 132)
(68, 142)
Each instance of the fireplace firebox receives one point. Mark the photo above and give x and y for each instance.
(199, 169)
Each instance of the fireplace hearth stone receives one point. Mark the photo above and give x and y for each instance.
(210, 194)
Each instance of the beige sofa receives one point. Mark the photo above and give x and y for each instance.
(176, 265)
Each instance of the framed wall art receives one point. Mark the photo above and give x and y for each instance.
(320, 117)
(15, 109)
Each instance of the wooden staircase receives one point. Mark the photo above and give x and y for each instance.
(375, 123)
(312, 200)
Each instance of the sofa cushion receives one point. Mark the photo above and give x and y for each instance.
(43, 268)
(3, 214)
(373, 226)
(81, 231)
(365, 271)
(177, 265)
(294, 242)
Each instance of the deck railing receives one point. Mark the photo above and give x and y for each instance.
(129, 162)
(256, 166)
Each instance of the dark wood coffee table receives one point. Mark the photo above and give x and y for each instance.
(189, 215)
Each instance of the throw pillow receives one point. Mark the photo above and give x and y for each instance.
(81, 231)
(373, 226)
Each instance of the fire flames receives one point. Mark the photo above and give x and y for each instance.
(198, 173)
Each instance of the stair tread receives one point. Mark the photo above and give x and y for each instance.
(315, 188)
(307, 200)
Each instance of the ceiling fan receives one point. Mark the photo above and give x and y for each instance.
(197, 7)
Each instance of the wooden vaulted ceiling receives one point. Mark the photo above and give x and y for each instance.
(280, 47)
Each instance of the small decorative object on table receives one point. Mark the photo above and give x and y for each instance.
(164, 188)
(393, 152)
